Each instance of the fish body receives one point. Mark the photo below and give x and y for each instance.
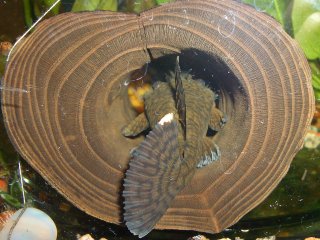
(199, 102)
(167, 159)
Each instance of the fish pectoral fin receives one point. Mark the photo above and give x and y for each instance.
(210, 152)
(151, 181)
(217, 119)
(136, 126)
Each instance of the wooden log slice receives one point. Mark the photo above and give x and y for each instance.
(65, 104)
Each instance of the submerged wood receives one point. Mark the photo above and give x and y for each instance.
(66, 121)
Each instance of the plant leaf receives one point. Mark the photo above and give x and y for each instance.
(160, 2)
(92, 5)
(85, 5)
(27, 12)
(315, 69)
(275, 8)
(49, 3)
(317, 94)
(301, 10)
(309, 36)
(111, 5)
(10, 199)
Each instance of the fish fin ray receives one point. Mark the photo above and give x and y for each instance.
(149, 190)
(136, 126)
(211, 152)
(217, 119)
(180, 97)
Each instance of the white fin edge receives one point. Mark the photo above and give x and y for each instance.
(166, 119)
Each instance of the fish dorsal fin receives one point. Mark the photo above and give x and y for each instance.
(180, 97)
(154, 178)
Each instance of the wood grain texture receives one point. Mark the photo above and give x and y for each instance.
(67, 120)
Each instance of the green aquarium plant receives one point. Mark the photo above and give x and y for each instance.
(33, 9)
(85, 5)
(301, 19)
(306, 30)
(276, 8)
(114, 5)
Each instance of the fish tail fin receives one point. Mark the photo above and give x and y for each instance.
(151, 182)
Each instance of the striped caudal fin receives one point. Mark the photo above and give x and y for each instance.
(151, 180)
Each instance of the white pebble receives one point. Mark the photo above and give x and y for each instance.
(29, 224)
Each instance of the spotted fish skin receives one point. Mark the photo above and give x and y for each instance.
(200, 102)
(167, 159)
